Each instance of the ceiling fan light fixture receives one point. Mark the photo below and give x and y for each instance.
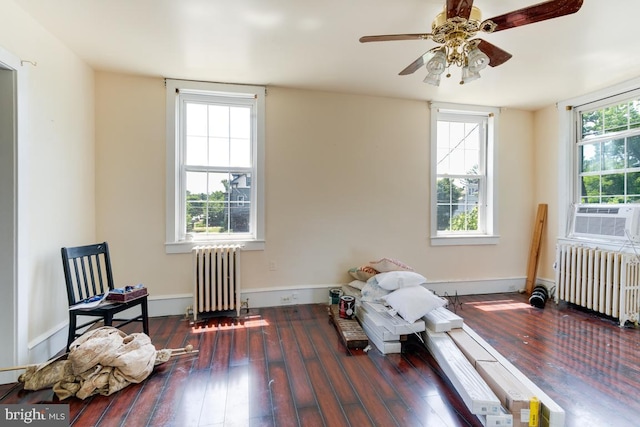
(468, 75)
(477, 60)
(436, 66)
(433, 79)
(438, 63)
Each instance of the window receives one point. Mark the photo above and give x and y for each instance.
(462, 146)
(608, 151)
(215, 152)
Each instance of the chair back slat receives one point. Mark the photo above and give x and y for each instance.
(87, 271)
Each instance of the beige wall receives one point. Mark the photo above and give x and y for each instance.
(347, 181)
(546, 183)
(56, 166)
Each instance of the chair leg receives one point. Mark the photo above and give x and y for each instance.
(108, 319)
(72, 330)
(145, 317)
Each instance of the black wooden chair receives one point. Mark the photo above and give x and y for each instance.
(87, 272)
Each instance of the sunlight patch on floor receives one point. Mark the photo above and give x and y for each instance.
(500, 305)
(244, 323)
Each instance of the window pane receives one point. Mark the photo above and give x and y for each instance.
(218, 152)
(590, 186)
(218, 202)
(458, 147)
(217, 211)
(616, 118)
(443, 161)
(444, 215)
(196, 203)
(633, 151)
(457, 204)
(240, 122)
(613, 154)
(240, 205)
(633, 185)
(196, 119)
(219, 121)
(240, 155)
(444, 190)
(634, 114)
(469, 191)
(197, 184)
(592, 123)
(589, 157)
(613, 185)
(466, 218)
(196, 151)
(206, 202)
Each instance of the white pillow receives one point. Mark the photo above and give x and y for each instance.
(413, 302)
(372, 292)
(393, 280)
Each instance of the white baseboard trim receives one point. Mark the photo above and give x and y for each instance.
(476, 287)
(275, 297)
(51, 342)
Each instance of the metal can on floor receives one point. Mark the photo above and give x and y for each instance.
(347, 306)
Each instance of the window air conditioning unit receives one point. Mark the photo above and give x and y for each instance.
(607, 222)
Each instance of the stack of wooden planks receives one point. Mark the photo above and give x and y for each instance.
(491, 387)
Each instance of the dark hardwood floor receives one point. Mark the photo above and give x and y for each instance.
(287, 367)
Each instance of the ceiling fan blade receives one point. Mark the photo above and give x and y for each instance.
(391, 37)
(496, 55)
(418, 63)
(461, 8)
(536, 13)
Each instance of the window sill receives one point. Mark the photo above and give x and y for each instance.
(185, 247)
(465, 240)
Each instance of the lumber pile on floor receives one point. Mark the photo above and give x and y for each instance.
(490, 386)
(473, 390)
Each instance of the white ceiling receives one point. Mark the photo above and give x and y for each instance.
(314, 45)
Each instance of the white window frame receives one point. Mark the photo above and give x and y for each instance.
(568, 118)
(177, 240)
(488, 201)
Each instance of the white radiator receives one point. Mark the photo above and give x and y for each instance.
(601, 280)
(216, 285)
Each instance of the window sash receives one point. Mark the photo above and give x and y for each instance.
(214, 100)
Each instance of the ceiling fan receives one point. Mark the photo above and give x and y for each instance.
(454, 29)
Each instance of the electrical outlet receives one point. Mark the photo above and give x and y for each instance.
(272, 266)
(286, 299)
